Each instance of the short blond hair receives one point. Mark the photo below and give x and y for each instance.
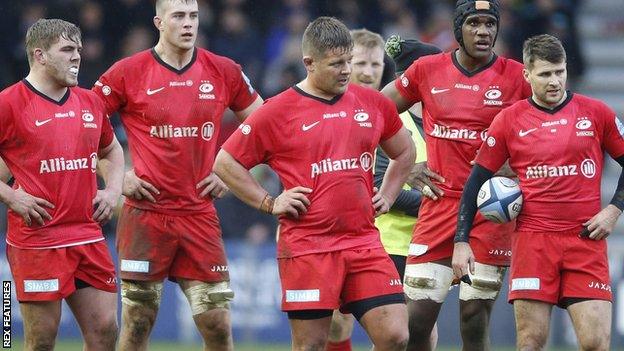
(160, 4)
(46, 32)
(366, 38)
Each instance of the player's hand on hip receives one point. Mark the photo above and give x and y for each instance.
(380, 203)
(420, 178)
(213, 186)
(292, 202)
(104, 203)
(602, 224)
(138, 188)
(463, 260)
(29, 207)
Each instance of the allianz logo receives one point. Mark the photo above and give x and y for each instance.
(587, 168)
(169, 131)
(457, 133)
(365, 161)
(60, 164)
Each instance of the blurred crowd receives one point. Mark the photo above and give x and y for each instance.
(264, 37)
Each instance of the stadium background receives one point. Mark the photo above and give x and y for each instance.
(264, 37)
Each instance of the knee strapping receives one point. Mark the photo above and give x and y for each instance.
(208, 296)
(427, 281)
(144, 294)
(486, 283)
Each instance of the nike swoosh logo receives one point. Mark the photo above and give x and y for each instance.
(438, 91)
(39, 123)
(152, 92)
(308, 127)
(523, 133)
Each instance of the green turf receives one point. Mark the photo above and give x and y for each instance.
(66, 345)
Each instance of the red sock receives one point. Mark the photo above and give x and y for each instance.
(339, 346)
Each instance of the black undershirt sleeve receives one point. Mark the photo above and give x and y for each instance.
(618, 197)
(407, 201)
(468, 202)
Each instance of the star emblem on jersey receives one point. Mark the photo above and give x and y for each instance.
(435, 90)
(307, 127)
(39, 123)
(523, 133)
(152, 92)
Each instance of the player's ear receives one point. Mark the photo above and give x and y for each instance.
(308, 62)
(39, 56)
(525, 73)
(158, 23)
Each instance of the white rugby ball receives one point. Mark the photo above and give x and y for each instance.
(500, 199)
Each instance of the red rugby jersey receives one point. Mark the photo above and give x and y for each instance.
(51, 149)
(458, 107)
(328, 146)
(558, 156)
(172, 119)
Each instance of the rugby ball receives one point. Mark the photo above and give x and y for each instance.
(499, 199)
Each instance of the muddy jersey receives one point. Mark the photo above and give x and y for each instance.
(558, 157)
(172, 118)
(458, 107)
(328, 146)
(51, 148)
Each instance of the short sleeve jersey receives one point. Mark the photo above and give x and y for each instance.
(328, 146)
(172, 119)
(51, 148)
(458, 107)
(558, 157)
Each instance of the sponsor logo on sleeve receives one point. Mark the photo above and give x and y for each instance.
(404, 81)
(245, 129)
(491, 141)
(311, 295)
(46, 285)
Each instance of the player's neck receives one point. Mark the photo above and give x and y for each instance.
(470, 63)
(46, 86)
(550, 106)
(307, 86)
(174, 57)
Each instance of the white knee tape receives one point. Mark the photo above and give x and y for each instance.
(208, 296)
(141, 294)
(486, 283)
(427, 281)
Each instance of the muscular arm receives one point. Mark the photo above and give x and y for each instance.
(111, 165)
(402, 153)
(292, 202)
(238, 179)
(468, 202)
(618, 196)
(393, 94)
(242, 114)
(407, 201)
(5, 173)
